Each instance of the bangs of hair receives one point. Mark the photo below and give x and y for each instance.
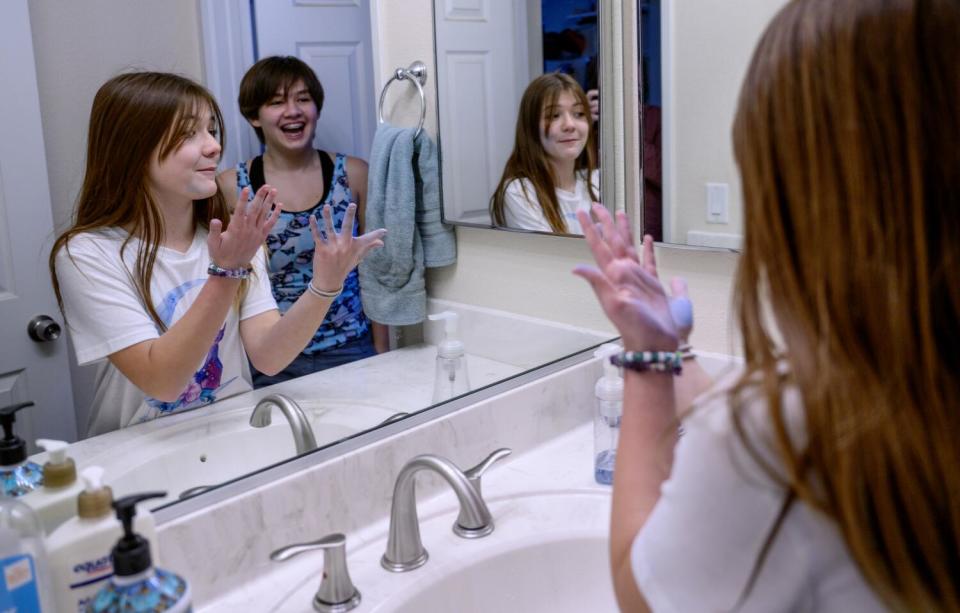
(195, 110)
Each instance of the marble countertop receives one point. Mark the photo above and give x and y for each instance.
(563, 465)
(399, 380)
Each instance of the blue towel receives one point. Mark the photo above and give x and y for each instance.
(403, 196)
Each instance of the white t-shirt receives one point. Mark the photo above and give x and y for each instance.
(522, 210)
(104, 315)
(699, 546)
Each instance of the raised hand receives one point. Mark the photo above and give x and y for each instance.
(337, 253)
(249, 226)
(627, 286)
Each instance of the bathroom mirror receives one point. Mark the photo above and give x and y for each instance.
(77, 48)
(692, 57)
(489, 56)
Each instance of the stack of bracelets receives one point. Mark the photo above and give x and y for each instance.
(670, 362)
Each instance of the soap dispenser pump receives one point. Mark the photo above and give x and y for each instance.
(606, 421)
(56, 501)
(18, 475)
(450, 379)
(137, 586)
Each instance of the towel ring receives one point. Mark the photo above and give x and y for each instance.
(417, 73)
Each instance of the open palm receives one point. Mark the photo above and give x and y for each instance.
(627, 286)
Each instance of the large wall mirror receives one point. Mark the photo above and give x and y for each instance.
(518, 99)
(213, 41)
(690, 60)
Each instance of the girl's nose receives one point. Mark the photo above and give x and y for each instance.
(212, 147)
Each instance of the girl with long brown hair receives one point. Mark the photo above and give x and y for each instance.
(551, 172)
(156, 279)
(825, 476)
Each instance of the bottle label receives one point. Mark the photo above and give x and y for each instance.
(18, 585)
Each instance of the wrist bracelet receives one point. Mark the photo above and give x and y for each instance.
(231, 273)
(686, 351)
(669, 362)
(323, 293)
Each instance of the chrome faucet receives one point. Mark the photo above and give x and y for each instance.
(302, 432)
(405, 549)
(336, 593)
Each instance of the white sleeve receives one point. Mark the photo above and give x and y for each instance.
(521, 209)
(699, 547)
(101, 306)
(259, 298)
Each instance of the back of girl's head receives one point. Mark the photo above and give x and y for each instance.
(528, 159)
(272, 74)
(848, 141)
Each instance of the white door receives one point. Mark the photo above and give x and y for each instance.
(29, 370)
(482, 70)
(333, 38)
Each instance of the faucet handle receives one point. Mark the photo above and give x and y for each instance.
(336, 592)
(474, 474)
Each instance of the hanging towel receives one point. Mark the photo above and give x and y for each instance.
(403, 196)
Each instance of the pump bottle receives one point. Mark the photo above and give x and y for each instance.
(24, 576)
(606, 421)
(136, 585)
(450, 379)
(79, 550)
(56, 501)
(18, 475)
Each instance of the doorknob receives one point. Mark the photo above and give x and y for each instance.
(43, 329)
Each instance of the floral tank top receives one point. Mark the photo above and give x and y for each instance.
(290, 254)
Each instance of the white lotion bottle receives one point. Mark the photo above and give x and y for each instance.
(606, 420)
(56, 500)
(450, 379)
(79, 550)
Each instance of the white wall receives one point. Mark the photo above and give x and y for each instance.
(78, 46)
(710, 45)
(530, 274)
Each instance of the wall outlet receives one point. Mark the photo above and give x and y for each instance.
(718, 203)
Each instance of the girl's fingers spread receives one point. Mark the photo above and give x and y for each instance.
(327, 213)
(315, 230)
(678, 287)
(623, 225)
(346, 227)
(601, 253)
(242, 200)
(600, 283)
(606, 223)
(649, 256)
(216, 227)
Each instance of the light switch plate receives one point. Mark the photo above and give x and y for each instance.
(718, 202)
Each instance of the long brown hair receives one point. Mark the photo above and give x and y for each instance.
(133, 116)
(848, 141)
(528, 159)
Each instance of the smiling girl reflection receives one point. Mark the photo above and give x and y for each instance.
(551, 172)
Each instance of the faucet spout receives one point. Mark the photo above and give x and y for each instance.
(302, 432)
(405, 549)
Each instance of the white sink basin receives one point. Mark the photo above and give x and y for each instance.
(210, 451)
(548, 553)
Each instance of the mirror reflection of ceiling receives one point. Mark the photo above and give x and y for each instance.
(78, 46)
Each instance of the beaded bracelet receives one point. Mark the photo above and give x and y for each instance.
(230, 273)
(323, 293)
(650, 361)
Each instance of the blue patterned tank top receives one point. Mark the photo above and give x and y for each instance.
(290, 254)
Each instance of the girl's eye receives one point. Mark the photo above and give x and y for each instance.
(275, 102)
(304, 100)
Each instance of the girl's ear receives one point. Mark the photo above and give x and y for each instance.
(255, 123)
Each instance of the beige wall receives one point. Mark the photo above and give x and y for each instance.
(530, 274)
(709, 45)
(78, 46)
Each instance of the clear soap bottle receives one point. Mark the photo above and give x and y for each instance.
(24, 580)
(606, 420)
(450, 379)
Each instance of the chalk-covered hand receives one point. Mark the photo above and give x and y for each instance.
(627, 286)
(337, 253)
(246, 231)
